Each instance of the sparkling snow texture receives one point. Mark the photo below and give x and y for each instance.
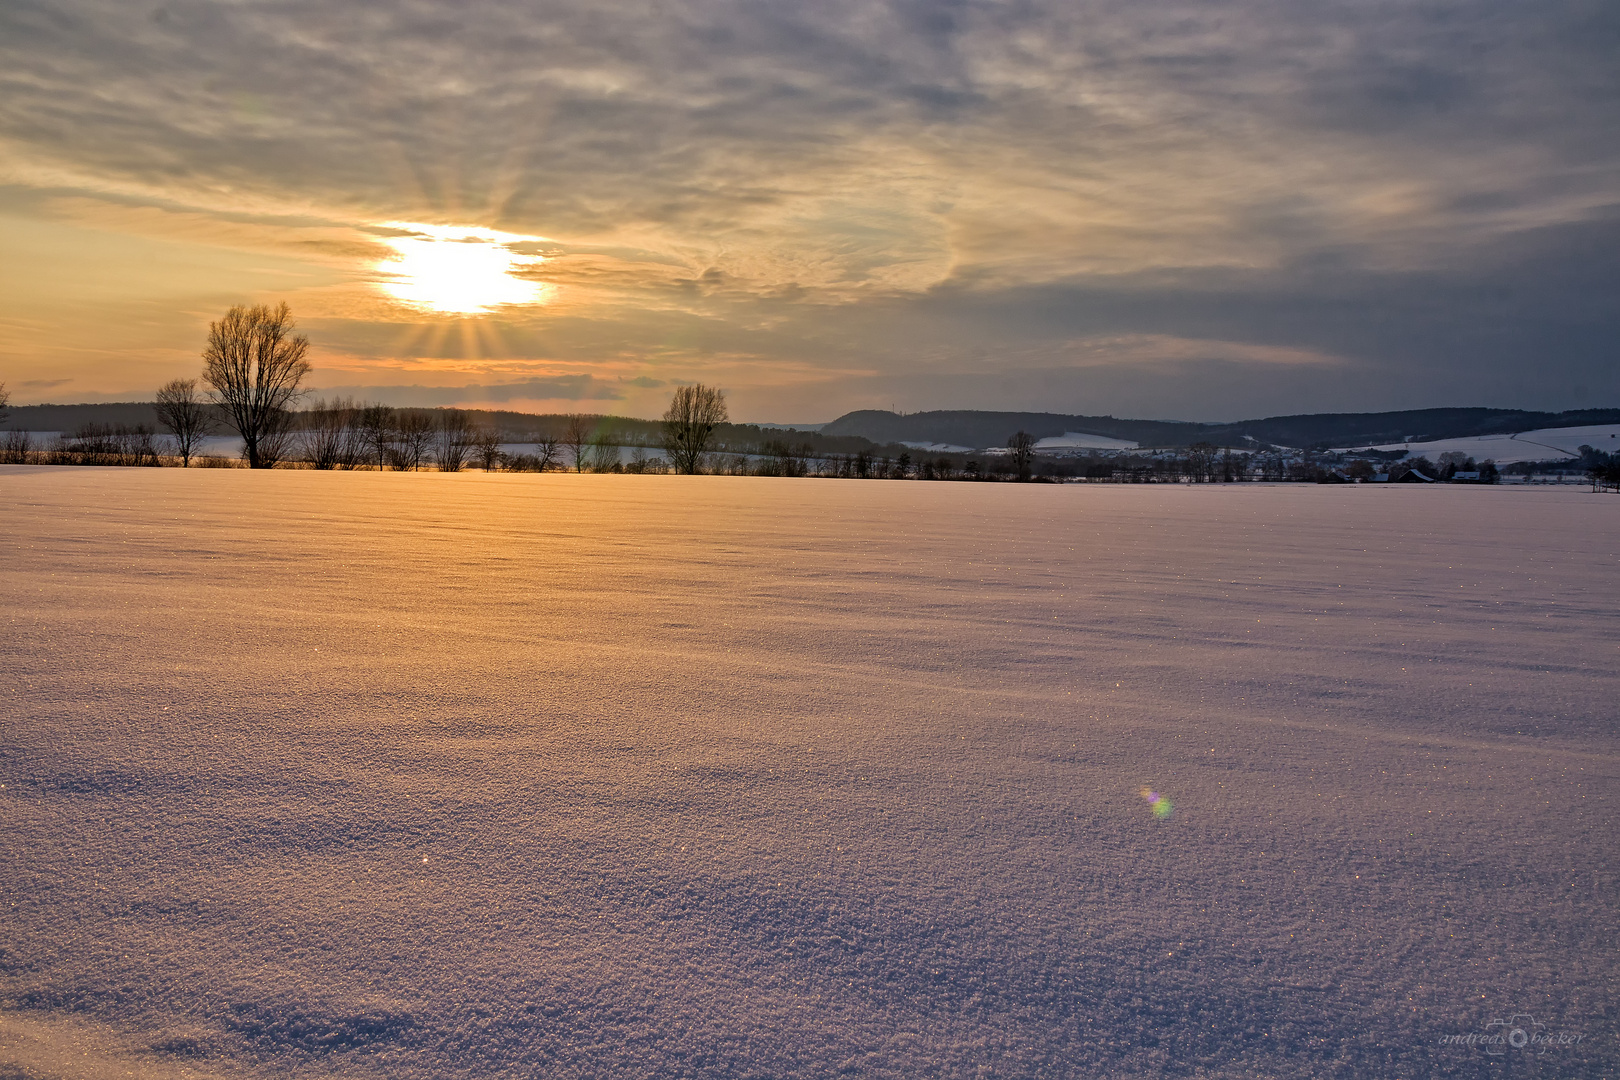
(418, 775)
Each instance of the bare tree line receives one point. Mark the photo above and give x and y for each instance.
(254, 365)
(93, 444)
(344, 435)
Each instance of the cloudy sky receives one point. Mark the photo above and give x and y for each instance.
(1203, 210)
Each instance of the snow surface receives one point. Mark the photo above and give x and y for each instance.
(1079, 440)
(1544, 444)
(466, 775)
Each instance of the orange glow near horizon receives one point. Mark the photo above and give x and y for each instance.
(458, 270)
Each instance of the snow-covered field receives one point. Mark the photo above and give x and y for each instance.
(410, 776)
(1545, 444)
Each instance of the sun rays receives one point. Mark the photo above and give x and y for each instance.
(458, 270)
(464, 344)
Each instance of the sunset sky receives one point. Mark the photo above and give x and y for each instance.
(1203, 210)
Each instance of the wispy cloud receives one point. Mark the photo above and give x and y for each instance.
(828, 184)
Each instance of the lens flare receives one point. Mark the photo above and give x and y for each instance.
(455, 270)
(1161, 806)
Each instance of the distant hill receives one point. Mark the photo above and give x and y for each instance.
(1318, 430)
(73, 417)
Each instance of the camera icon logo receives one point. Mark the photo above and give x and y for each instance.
(1518, 1032)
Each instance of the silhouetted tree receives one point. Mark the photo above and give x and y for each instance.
(374, 427)
(412, 438)
(255, 363)
(330, 439)
(1022, 445)
(547, 451)
(1232, 466)
(17, 447)
(577, 439)
(452, 440)
(104, 444)
(5, 402)
(779, 458)
(689, 423)
(486, 448)
(604, 453)
(643, 462)
(1201, 462)
(185, 414)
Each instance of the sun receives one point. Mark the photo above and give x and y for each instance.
(457, 270)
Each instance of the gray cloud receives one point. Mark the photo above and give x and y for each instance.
(588, 115)
(946, 195)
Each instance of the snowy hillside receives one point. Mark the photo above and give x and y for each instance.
(1079, 440)
(1545, 444)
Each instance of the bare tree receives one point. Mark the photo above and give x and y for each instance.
(1023, 454)
(412, 437)
(1232, 466)
(255, 363)
(1201, 462)
(576, 439)
(330, 439)
(486, 447)
(547, 451)
(374, 427)
(276, 445)
(689, 425)
(604, 453)
(452, 440)
(778, 458)
(17, 448)
(105, 444)
(185, 414)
